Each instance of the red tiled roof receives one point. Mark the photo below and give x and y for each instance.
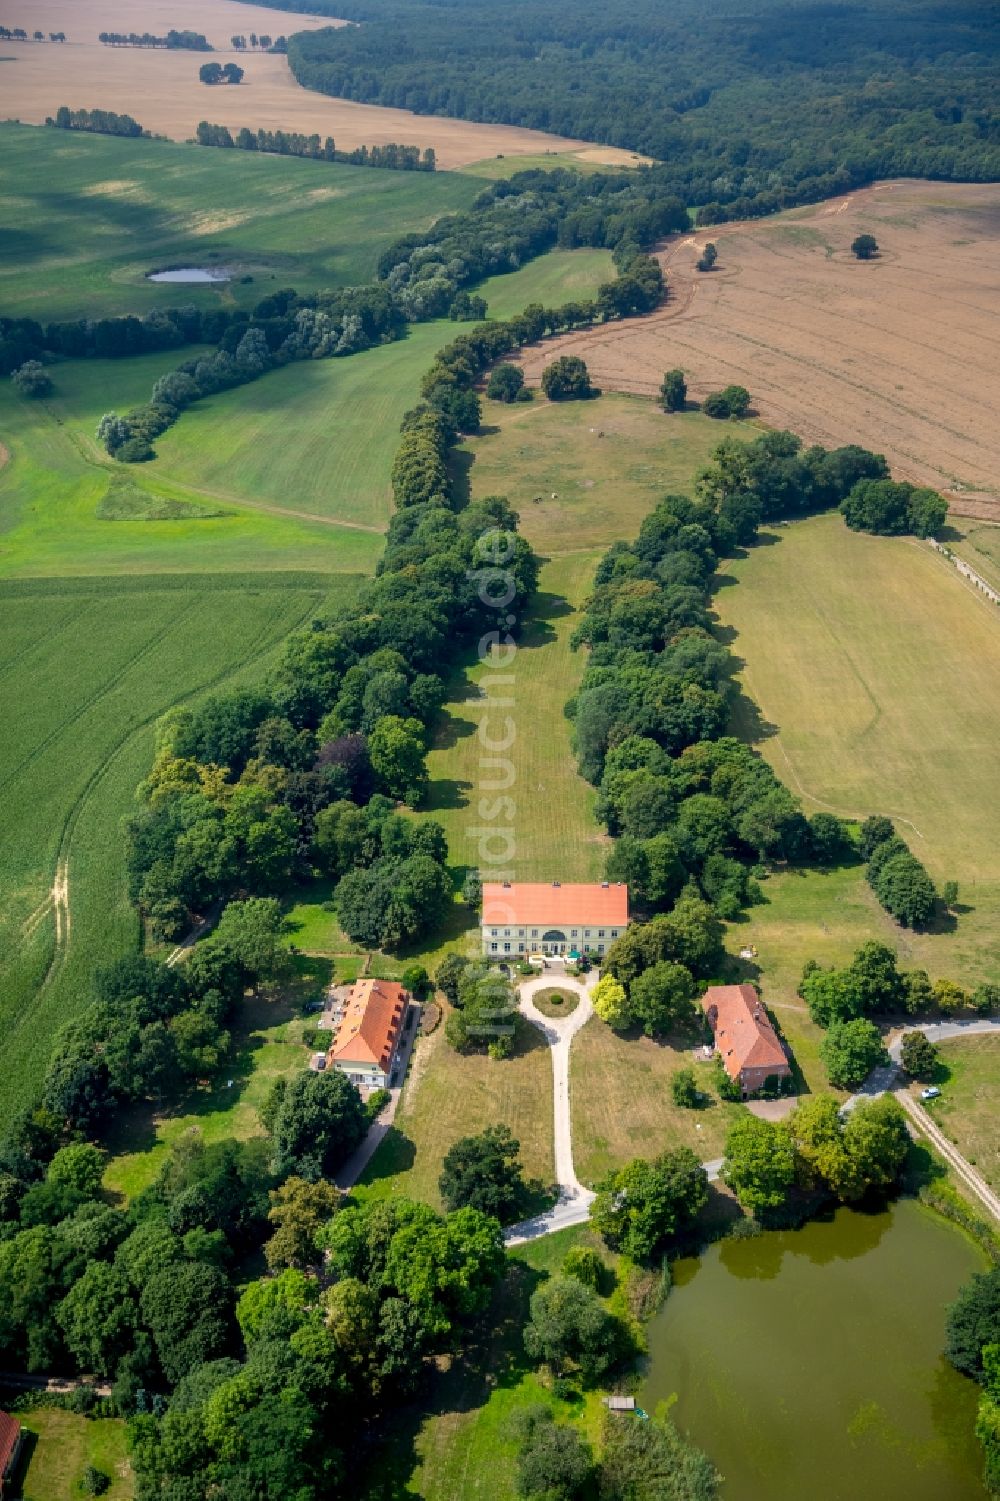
(10, 1432)
(370, 1027)
(744, 1035)
(553, 905)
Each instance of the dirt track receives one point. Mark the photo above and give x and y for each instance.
(161, 89)
(900, 355)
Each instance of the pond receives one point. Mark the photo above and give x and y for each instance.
(808, 1363)
(192, 274)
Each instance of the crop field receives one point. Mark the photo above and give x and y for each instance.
(978, 543)
(875, 672)
(897, 354)
(969, 1105)
(583, 474)
(90, 665)
(161, 88)
(88, 216)
(58, 488)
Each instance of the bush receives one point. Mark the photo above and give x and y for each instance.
(31, 379)
(417, 981)
(586, 1265)
(865, 247)
(919, 1055)
(734, 401)
(376, 1103)
(684, 1090)
(94, 1482)
(673, 391)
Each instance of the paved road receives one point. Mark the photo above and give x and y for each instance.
(573, 1205)
(892, 1080)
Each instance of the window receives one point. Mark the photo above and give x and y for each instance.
(600, 948)
(572, 932)
(534, 932)
(586, 932)
(506, 932)
(494, 947)
(600, 932)
(493, 932)
(506, 948)
(520, 948)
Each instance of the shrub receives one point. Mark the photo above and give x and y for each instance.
(505, 384)
(94, 1482)
(734, 401)
(31, 379)
(865, 247)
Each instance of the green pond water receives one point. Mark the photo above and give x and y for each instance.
(808, 1364)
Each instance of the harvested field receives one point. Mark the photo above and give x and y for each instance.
(898, 354)
(162, 91)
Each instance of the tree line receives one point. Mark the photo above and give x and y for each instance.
(24, 339)
(293, 143)
(264, 42)
(18, 34)
(972, 1345)
(98, 121)
(191, 41)
(695, 814)
(423, 277)
(745, 118)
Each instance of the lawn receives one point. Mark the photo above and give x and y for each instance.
(88, 216)
(449, 1095)
(58, 483)
(622, 1106)
(552, 279)
(583, 474)
(968, 1110)
(551, 832)
(63, 1445)
(90, 665)
(267, 1045)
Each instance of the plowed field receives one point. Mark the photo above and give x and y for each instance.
(161, 89)
(899, 354)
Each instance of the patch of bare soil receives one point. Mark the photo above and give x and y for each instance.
(898, 354)
(161, 89)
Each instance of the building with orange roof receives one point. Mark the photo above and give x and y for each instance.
(745, 1038)
(539, 917)
(11, 1441)
(367, 1038)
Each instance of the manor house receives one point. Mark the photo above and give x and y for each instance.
(538, 917)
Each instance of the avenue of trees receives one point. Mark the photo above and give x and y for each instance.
(264, 42)
(293, 143)
(191, 41)
(742, 119)
(97, 121)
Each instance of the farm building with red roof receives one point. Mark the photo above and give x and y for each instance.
(539, 917)
(367, 1038)
(745, 1038)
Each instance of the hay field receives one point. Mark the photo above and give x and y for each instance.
(875, 672)
(88, 217)
(898, 354)
(161, 89)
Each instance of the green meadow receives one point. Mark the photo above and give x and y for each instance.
(87, 217)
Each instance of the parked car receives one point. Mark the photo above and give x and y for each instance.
(930, 1093)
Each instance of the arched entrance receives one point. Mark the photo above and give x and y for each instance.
(553, 942)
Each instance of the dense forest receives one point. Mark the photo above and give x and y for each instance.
(737, 101)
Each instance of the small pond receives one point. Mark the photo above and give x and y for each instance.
(192, 274)
(808, 1364)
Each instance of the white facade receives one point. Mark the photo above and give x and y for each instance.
(505, 942)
